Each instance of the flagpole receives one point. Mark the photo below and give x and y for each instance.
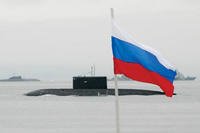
(116, 91)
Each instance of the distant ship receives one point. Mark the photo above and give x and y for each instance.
(120, 78)
(17, 78)
(180, 76)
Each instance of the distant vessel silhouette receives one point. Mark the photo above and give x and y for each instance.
(180, 76)
(18, 78)
(120, 78)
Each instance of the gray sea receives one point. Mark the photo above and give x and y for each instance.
(74, 114)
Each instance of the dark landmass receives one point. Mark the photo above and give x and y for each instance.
(92, 92)
(17, 78)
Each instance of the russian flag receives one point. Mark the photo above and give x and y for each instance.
(140, 62)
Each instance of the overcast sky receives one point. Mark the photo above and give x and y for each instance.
(57, 39)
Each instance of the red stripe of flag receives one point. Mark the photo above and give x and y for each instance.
(139, 73)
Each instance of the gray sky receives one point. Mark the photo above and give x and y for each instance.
(56, 39)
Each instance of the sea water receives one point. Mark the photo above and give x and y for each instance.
(74, 114)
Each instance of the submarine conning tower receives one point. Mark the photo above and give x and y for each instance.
(90, 85)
